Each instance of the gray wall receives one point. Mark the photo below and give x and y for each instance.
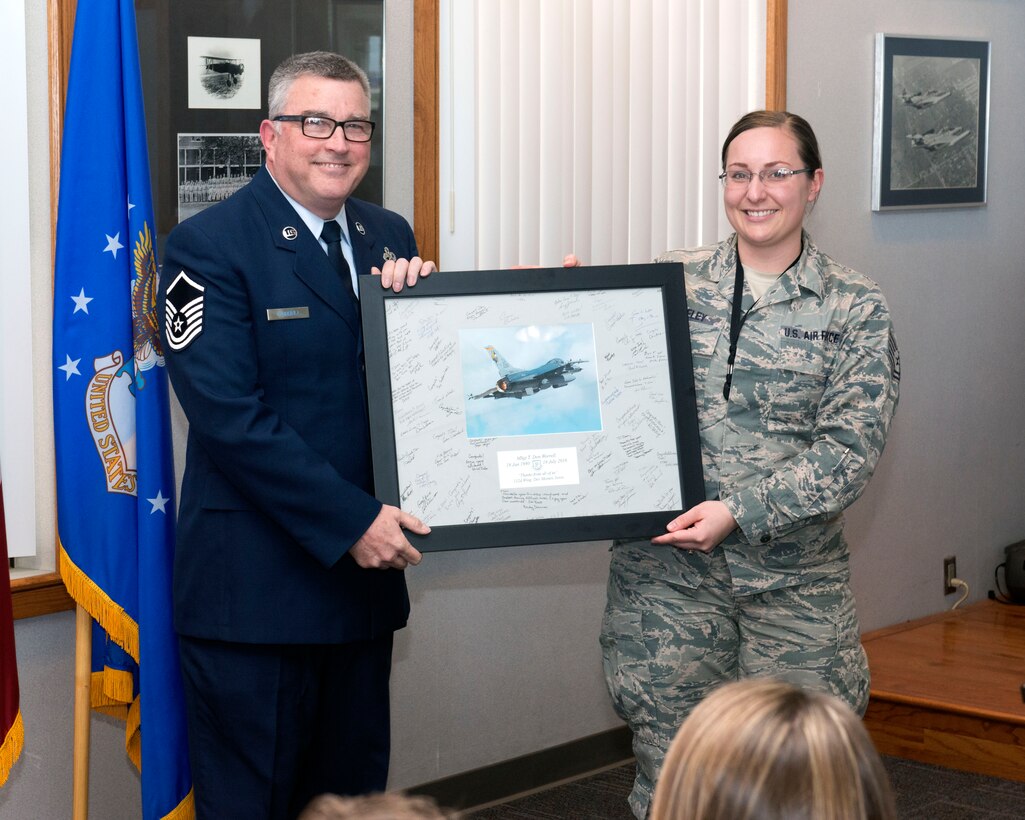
(40, 784)
(501, 655)
(951, 479)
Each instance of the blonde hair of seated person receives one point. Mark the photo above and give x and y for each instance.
(760, 749)
(384, 806)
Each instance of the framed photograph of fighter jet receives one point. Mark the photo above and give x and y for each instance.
(931, 123)
(533, 406)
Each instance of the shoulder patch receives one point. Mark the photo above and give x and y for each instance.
(894, 356)
(183, 312)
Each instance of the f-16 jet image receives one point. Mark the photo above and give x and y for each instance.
(944, 138)
(515, 384)
(924, 99)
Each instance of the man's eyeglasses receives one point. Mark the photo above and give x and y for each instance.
(323, 128)
(773, 178)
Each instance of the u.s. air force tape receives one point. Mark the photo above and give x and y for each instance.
(183, 312)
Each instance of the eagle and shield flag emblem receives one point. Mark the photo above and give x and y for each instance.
(115, 476)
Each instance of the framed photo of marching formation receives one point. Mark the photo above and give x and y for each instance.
(534, 406)
(931, 122)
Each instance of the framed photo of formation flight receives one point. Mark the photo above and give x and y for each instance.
(533, 406)
(931, 124)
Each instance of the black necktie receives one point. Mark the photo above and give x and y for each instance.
(331, 233)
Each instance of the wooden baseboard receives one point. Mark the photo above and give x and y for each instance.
(502, 781)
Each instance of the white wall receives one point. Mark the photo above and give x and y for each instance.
(16, 294)
(953, 474)
(27, 433)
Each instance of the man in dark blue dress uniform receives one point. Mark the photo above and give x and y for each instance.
(288, 580)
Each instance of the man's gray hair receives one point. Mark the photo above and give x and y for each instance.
(325, 64)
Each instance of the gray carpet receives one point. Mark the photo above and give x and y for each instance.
(923, 793)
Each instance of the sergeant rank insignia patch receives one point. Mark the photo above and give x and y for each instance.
(183, 312)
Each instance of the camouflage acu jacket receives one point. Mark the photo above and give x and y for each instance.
(815, 386)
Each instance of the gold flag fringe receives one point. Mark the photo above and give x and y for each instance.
(10, 750)
(102, 684)
(107, 692)
(186, 810)
(118, 685)
(101, 607)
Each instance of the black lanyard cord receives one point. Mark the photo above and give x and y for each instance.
(736, 323)
(737, 320)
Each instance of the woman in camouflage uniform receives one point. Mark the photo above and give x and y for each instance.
(796, 383)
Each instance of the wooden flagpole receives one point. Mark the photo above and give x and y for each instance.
(61, 26)
(83, 678)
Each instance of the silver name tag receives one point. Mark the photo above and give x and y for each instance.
(280, 314)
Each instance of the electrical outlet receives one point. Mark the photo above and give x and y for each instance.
(949, 574)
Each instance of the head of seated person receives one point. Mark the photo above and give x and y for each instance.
(760, 749)
(386, 806)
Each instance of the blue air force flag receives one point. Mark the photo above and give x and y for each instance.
(115, 479)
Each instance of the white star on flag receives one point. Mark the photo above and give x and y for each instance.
(158, 503)
(70, 368)
(130, 205)
(81, 302)
(113, 243)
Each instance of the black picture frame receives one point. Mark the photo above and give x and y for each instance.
(417, 365)
(931, 124)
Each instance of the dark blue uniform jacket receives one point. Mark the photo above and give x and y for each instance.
(278, 483)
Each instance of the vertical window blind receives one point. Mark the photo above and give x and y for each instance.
(591, 126)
